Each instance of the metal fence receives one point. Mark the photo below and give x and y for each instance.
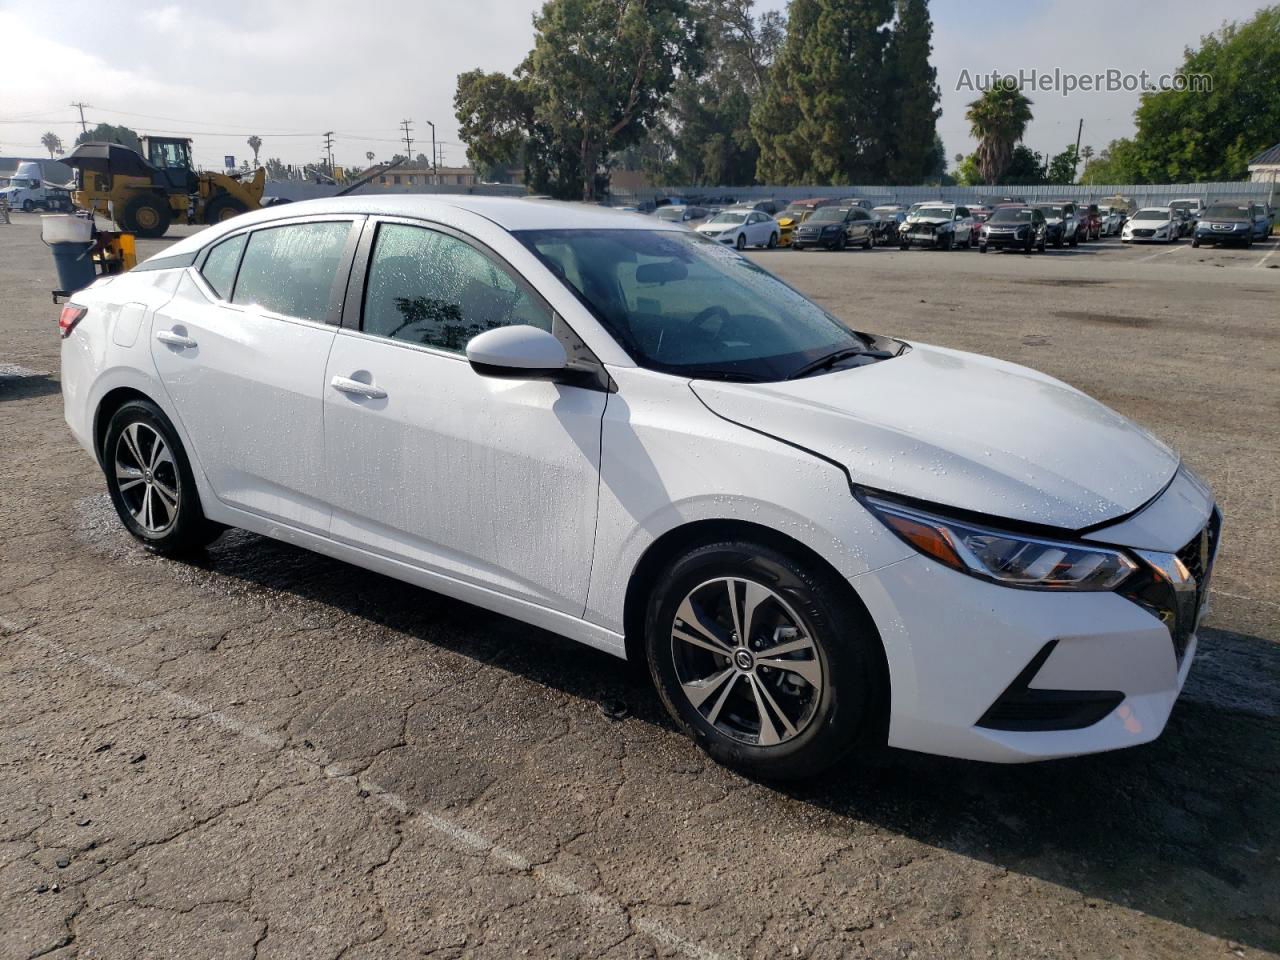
(1143, 194)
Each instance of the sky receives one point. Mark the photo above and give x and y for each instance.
(288, 72)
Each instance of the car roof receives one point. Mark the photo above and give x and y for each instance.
(510, 213)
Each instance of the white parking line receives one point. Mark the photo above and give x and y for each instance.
(1161, 253)
(456, 832)
(1270, 253)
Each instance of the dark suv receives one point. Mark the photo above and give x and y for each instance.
(1061, 224)
(1014, 227)
(835, 228)
(1223, 223)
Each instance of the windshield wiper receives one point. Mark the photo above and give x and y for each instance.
(711, 373)
(831, 359)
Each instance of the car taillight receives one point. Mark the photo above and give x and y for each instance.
(71, 315)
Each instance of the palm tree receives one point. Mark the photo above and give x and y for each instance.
(997, 120)
(53, 143)
(255, 144)
(369, 155)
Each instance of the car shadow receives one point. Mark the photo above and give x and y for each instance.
(1184, 829)
(26, 385)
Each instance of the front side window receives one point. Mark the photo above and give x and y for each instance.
(291, 270)
(683, 304)
(431, 288)
(219, 270)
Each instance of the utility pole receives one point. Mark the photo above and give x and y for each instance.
(328, 148)
(435, 166)
(84, 127)
(1075, 159)
(408, 140)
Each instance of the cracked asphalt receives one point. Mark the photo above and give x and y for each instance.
(266, 753)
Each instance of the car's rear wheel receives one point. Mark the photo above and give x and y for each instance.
(764, 662)
(150, 481)
(982, 248)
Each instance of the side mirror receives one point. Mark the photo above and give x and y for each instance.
(517, 353)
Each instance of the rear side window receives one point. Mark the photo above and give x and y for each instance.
(219, 270)
(291, 270)
(431, 288)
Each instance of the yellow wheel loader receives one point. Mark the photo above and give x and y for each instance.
(145, 194)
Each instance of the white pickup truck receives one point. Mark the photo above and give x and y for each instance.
(28, 190)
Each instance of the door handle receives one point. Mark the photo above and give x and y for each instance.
(174, 339)
(356, 388)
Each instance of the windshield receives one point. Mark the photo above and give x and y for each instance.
(1011, 215)
(670, 213)
(1227, 211)
(1052, 213)
(686, 305)
(947, 212)
(1154, 214)
(1184, 204)
(827, 214)
(728, 218)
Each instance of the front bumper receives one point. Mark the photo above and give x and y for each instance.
(922, 239)
(1002, 240)
(987, 672)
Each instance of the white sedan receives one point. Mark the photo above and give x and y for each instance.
(605, 426)
(742, 229)
(1152, 225)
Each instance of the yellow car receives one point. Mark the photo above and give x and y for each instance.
(797, 213)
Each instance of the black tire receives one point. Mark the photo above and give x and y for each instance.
(1074, 241)
(982, 248)
(773, 242)
(904, 246)
(741, 242)
(1195, 241)
(27, 206)
(223, 208)
(848, 709)
(950, 242)
(186, 530)
(147, 215)
(1248, 244)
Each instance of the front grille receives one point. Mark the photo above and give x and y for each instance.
(1144, 233)
(1198, 556)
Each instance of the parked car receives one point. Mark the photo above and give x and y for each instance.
(939, 225)
(1088, 212)
(1014, 227)
(887, 219)
(862, 202)
(741, 228)
(681, 213)
(1060, 223)
(1191, 209)
(1263, 218)
(980, 213)
(1186, 226)
(597, 424)
(764, 206)
(1224, 223)
(1151, 225)
(1112, 219)
(796, 213)
(835, 228)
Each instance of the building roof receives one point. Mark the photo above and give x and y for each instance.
(509, 213)
(1271, 155)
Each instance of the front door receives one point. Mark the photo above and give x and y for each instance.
(489, 481)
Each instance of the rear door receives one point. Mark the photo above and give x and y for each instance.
(493, 482)
(241, 351)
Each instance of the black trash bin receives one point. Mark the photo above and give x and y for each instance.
(71, 240)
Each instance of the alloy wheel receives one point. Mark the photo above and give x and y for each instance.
(146, 476)
(745, 661)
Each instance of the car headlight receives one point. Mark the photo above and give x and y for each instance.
(1011, 559)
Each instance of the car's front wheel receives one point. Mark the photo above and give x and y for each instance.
(150, 481)
(767, 664)
(741, 242)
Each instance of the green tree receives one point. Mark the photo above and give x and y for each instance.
(823, 117)
(913, 153)
(997, 120)
(599, 73)
(110, 133)
(276, 170)
(1026, 167)
(1191, 134)
(1119, 162)
(53, 143)
(967, 173)
(704, 137)
(255, 144)
(1062, 167)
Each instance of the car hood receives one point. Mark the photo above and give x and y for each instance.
(962, 430)
(935, 221)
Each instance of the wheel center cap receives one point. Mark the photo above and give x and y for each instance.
(743, 659)
(146, 475)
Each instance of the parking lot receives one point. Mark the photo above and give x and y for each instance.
(268, 753)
